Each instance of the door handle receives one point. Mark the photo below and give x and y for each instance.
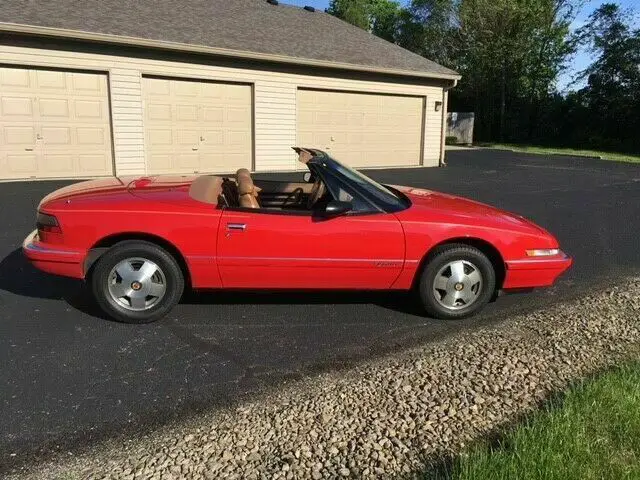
(29, 149)
(237, 226)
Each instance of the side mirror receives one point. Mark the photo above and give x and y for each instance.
(307, 177)
(336, 208)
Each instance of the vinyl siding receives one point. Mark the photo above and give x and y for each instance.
(274, 102)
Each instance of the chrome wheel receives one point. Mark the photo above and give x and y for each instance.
(137, 284)
(457, 285)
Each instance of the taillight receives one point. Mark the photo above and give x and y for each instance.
(47, 223)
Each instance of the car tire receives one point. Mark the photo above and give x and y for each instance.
(457, 281)
(137, 282)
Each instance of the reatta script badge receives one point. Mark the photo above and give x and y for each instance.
(386, 264)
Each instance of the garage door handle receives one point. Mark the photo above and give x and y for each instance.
(194, 148)
(29, 149)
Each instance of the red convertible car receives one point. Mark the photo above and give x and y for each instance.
(139, 242)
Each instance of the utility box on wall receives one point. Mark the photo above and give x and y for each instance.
(460, 126)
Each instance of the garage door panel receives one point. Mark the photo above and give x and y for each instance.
(159, 162)
(214, 138)
(53, 107)
(158, 112)
(57, 135)
(51, 80)
(157, 86)
(96, 137)
(18, 165)
(186, 89)
(187, 113)
(57, 165)
(219, 162)
(188, 138)
(91, 164)
(54, 124)
(237, 139)
(210, 125)
(87, 83)
(89, 109)
(16, 107)
(238, 115)
(188, 162)
(15, 78)
(213, 115)
(157, 137)
(362, 129)
(19, 135)
(211, 91)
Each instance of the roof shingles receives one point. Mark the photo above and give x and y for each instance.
(239, 25)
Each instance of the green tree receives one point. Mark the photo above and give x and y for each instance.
(379, 17)
(511, 52)
(612, 94)
(431, 28)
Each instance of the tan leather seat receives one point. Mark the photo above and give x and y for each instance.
(206, 188)
(247, 191)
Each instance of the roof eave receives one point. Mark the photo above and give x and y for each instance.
(185, 47)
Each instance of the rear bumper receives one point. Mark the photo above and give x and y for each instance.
(535, 272)
(55, 259)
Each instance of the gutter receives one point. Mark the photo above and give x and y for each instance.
(443, 128)
(225, 52)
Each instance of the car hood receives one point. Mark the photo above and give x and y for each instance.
(450, 208)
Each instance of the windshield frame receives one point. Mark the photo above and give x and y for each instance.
(385, 198)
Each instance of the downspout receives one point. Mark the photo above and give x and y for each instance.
(443, 130)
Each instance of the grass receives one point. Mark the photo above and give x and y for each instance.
(592, 433)
(619, 157)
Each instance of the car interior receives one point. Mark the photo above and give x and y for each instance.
(243, 192)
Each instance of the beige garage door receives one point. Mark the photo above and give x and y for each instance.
(363, 130)
(196, 127)
(54, 124)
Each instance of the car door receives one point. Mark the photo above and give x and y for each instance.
(275, 249)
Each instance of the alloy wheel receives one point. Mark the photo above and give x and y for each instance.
(457, 285)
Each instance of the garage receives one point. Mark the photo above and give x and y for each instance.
(158, 90)
(196, 127)
(362, 129)
(54, 123)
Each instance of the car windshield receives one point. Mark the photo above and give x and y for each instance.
(384, 196)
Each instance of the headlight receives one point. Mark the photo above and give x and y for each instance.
(543, 252)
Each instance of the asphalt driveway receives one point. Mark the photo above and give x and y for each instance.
(70, 377)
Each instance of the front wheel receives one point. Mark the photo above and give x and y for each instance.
(457, 282)
(137, 282)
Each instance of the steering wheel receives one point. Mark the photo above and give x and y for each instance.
(317, 191)
(293, 198)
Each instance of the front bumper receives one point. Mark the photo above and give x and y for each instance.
(55, 259)
(535, 272)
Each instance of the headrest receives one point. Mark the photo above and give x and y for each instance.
(245, 183)
(206, 188)
(243, 172)
(246, 187)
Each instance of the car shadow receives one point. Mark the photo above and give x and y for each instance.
(19, 277)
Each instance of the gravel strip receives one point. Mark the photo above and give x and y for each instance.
(389, 417)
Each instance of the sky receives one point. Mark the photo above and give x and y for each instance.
(580, 61)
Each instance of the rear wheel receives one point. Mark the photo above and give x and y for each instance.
(457, 282)
(137, 282)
